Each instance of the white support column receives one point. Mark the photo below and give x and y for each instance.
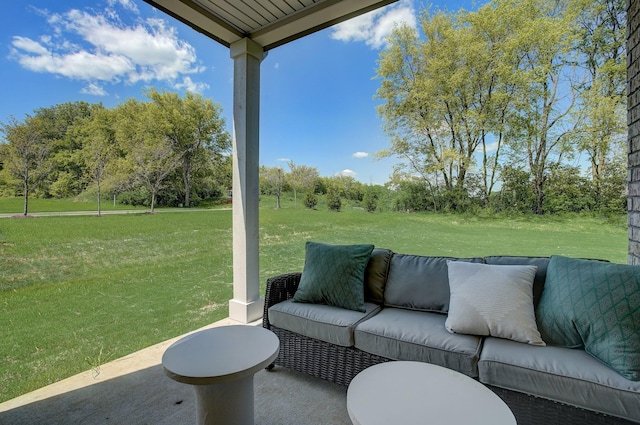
(246, 305)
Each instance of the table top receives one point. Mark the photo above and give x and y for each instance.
(219, 354)
(417, 393)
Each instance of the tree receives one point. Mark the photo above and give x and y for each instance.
(150, 156)
(195, 129)
(446, 96)
(539, 121)
(28, 154)
(99, 146)
(301, 177)
(272, 181)
(600, 41)
(59, 127)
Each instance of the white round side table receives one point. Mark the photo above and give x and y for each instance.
(220, 363)
(402, 392)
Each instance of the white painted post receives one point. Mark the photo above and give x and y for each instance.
(246, 305)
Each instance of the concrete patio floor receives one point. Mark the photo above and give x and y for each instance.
(135, 390)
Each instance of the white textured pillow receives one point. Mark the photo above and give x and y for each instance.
(496, 300)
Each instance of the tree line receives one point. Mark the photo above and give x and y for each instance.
(502, 103)
(567, 191)
(169, 150)
(516, 107)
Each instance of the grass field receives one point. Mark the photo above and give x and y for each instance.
(76, 292)
(16, 205)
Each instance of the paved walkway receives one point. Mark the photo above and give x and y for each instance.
(108, 212)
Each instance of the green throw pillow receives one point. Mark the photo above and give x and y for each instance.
(595, 304)
(334, 275)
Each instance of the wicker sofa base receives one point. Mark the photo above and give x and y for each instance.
(321, 359)
(341, 364)
(531, 410)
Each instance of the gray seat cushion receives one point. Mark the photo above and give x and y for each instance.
(320, 321)
(562, 374)
(400, 334)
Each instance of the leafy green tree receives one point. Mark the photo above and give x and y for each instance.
(540, 121)
(272, 182)
(28, 154)
(301, 178)
(346, 186)
(600, 39)
(195, 129)
(58, 126)
(150, 157)
(446, 96)
(99, 146)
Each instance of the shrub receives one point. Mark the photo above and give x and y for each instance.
(333, 200)
(310, 200)
(370, 200)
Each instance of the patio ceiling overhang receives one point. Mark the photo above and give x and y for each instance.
(269, 23)
(249, 28)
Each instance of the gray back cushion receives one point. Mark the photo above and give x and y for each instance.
(375, 275)
(541, 272)
(420, 283)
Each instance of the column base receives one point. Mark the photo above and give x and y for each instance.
(246, 312)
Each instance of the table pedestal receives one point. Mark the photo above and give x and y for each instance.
(225, 403)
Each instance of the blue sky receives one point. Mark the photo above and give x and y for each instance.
(317, 93)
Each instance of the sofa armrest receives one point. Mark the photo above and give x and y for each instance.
(279, 288)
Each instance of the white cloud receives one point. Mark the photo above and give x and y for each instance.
(346, 173)
(374, 27)
(283, 160)
(360, 155)
(93, 89)
(29, 46)
(126, 4)
(190, 85)
(98, 47)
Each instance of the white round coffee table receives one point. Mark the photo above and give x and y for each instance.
(408, 393)
(220, 363)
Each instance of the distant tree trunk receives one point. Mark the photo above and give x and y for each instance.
(153, 201)
(278, 189)
(26, 198)
(186, 178)
(99, 210)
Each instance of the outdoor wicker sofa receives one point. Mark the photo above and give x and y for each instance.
(542, 385)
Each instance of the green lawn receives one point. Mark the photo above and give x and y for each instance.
(76, 292)
(16, 205)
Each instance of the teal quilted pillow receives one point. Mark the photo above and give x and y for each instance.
(334, 275)
(596, 305)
